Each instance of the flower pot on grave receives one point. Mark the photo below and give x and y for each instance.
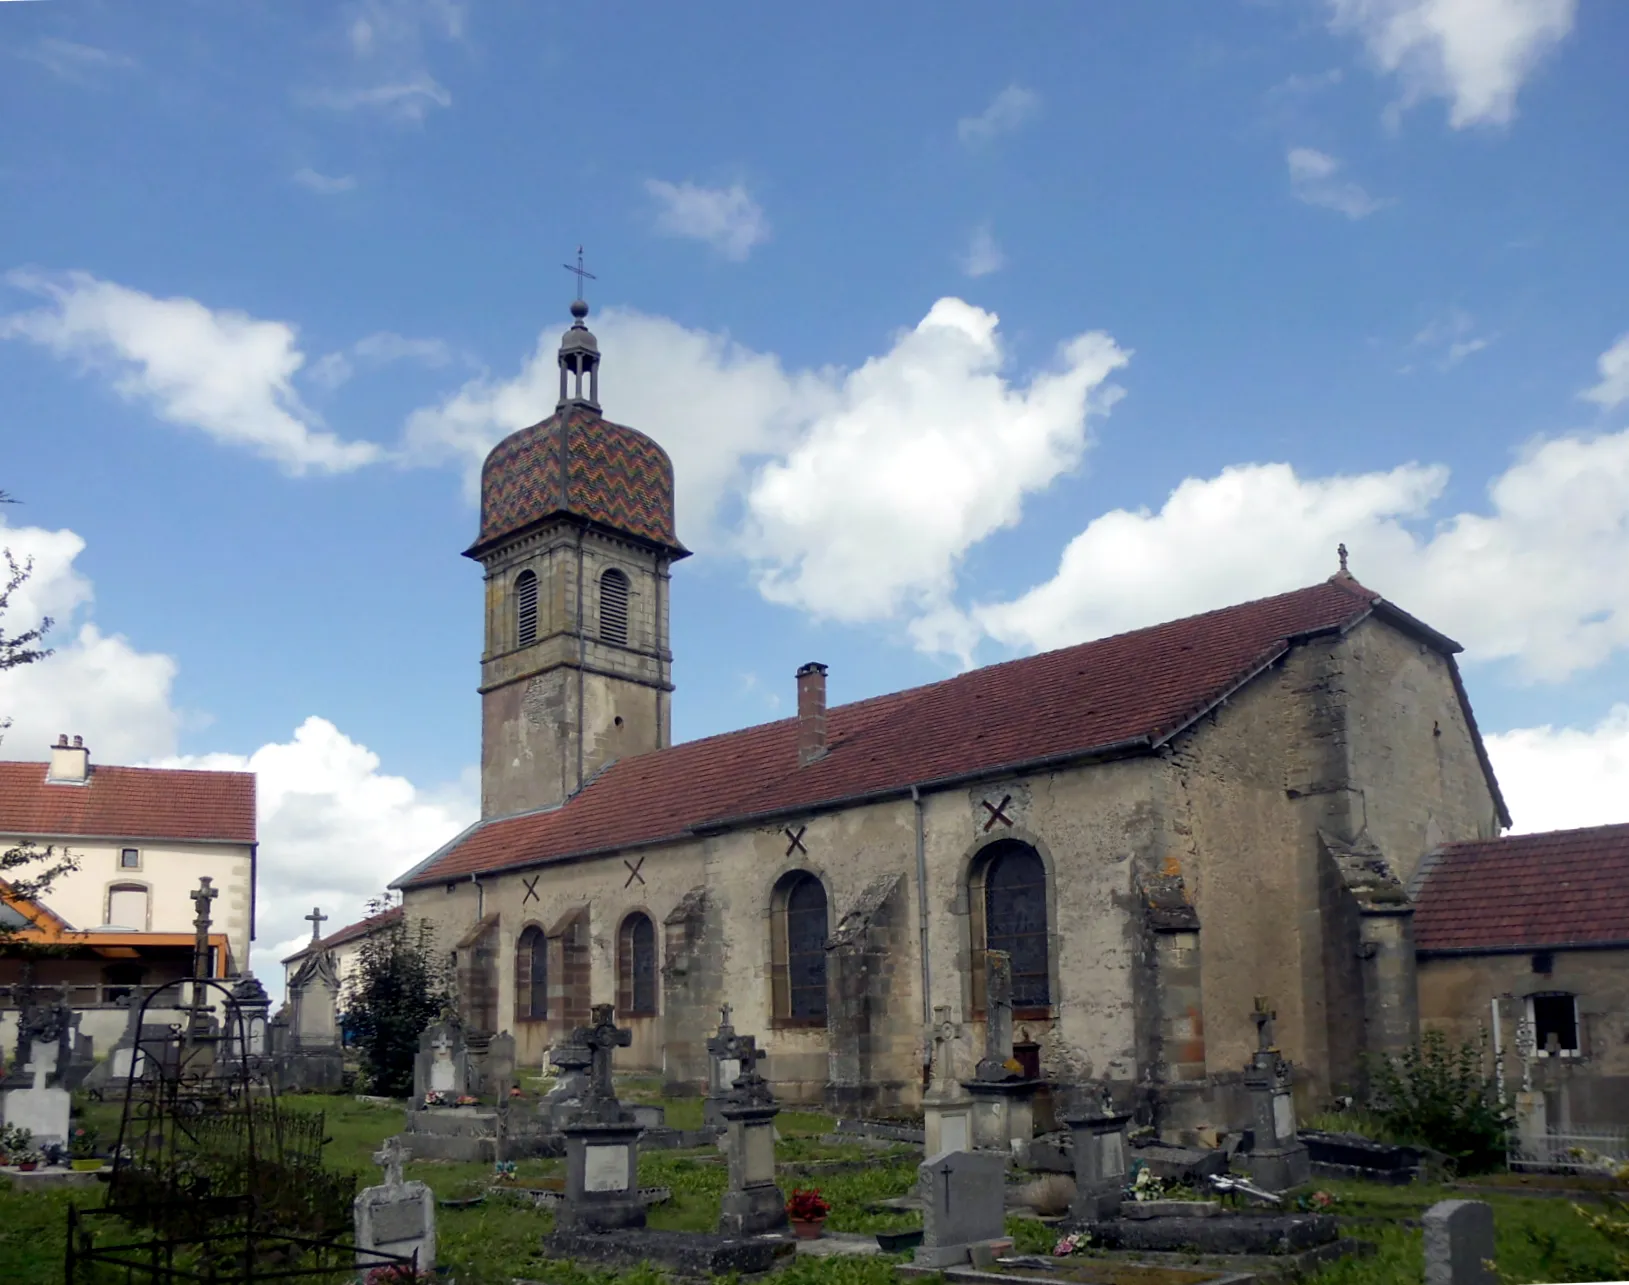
(27, 1166)
(86, 1164)
(807, 1228)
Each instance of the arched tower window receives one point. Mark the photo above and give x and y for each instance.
(525, 609)
(636, 967)
(614, 607)
(532, 975)
(798, 931)
(1008, 898)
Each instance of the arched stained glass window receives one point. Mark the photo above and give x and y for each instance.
(798, 932)
(1015, 920)
(532, 975)
(636, 966)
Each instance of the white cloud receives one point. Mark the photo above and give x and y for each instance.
(409, 100)
(983, 256)
(1475, 53)
(1560, 778)
(1450, 339)
(94, 685)
(219, 371)
(324, 184)
(1008, 110)
(926, 451)
(862, 489)
(1613, 365)
(333, 830)
(726, 218)
(1313, 180)
(75, 62)
(387, 346)
(1541, 579)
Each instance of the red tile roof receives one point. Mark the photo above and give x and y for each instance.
(361, 928)
(1120, 694)
(1527, 891)
(129, 803)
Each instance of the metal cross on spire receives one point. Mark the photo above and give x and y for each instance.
(582, 273)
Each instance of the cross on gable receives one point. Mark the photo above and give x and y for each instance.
(390, 1157)
(998, 812)
(633, 872)
(316, 919)
(796, 844)
(531, 890)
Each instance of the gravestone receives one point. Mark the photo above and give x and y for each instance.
(571, 1062)
(498, 1075)
(1003, 1101)
(43, 1107)
(1099, 1135)
(964, 1201)
(1459, 1243)
(723, 1065)
(947, 1108)
(1277, 1159)
(396, 1217)
(602, 1142)
(442, 1064)
(313, 1060)
(114, 1070)
(753, 1205)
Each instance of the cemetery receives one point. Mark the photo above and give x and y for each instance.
(493, 1172)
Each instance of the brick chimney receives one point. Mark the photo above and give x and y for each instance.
(811, 713)
(70, 764)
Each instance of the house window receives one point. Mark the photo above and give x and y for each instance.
(127, 907)
(532, 976)
(798, 931)
(1008, 899)
(130, 859)
(614, 607)
(525, 609)
(636, 966)
(1543, 962)
(1554, 1017)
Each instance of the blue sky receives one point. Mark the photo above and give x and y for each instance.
(968, 338)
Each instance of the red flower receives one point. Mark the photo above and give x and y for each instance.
(806, 1205)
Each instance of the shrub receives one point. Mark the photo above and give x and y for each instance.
(399, 988)
(1437, 1095)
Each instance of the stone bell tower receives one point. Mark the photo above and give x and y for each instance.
(577, 538)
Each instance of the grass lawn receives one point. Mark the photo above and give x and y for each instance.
(1539, 1238)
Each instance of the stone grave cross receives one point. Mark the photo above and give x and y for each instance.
(945, 1035)
(603, 1039)
(390, 1158)
(316, 919)
(997, 1016)
(1524, 1043)
(1263, 1017)
(201, 897)
(724, 1027)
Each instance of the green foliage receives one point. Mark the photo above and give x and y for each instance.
(1363, 1123)
(399, 988)
(1437, 1095)
(1612, 1225)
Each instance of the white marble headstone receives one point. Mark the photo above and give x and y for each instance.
(1283, 1116)
(605, 1168)
(953, 1131)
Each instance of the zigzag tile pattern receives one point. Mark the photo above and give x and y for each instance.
(613, 475)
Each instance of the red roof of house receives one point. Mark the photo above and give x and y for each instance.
(1118, 694)
(128, 803)
(1526, 891)
(361, 928)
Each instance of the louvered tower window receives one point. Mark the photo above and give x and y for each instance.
(525, 609)
(614, 607)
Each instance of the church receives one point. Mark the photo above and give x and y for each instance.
(1156, 827)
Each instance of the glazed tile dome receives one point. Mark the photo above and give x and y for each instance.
(576, 463)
